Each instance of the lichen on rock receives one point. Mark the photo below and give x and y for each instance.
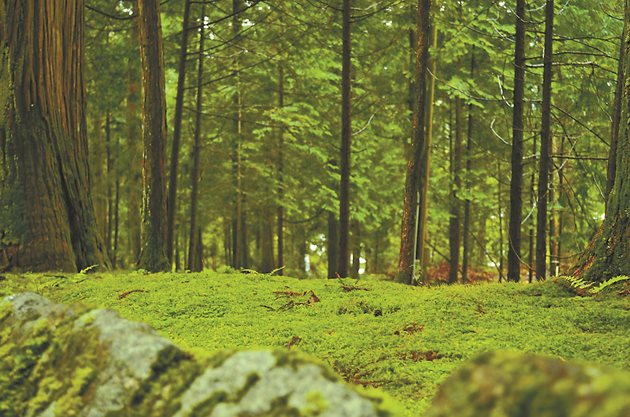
(58, 361)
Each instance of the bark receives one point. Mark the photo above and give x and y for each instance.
(409, 218)
(356, 252)
(332, 245)
(110, 200)
(153, 255)
(43, 142)
(532, 225)
(238, 246)
(500, 215)
(425, 168)
(193, 245)
(467, 203)
(346, 145)
(177, 128)
(545, 145)
(616, 120)
(134, 147)
(608, 254)
(516, 182)
(454, 228)
(280, 168)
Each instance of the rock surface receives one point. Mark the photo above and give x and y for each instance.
(506, 384)
(57, 361)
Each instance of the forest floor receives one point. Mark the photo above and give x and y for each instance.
(400, 339)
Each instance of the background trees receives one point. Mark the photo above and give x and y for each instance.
(265, 112)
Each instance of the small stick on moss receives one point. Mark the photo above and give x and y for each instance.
(126, 293)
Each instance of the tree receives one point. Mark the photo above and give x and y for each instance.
(177, 132)
(45, 205)
(516, 182)
(346, 145)
(153, 256)
(608, 254)
(545, 147)
(412, 171)
(194, 245)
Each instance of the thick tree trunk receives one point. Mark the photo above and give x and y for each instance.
(412, 172)
(616, 119)
(516, 182)
(194, 249)
(346, 145)
(153, 255)
(177, 128)
(545, 145)
(43, 146)
(608, 254)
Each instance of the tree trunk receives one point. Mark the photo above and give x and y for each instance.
(237, 215)
(409, 217)
(425, 167)
(134, 147)
(346, 139)
(454, 232)
(532, 224)
(280, 167)
(467, 203)
(616, 119)
(193, 245)
(177, 128)
(42, 138)
(110, 200)
(608, 254)
(516, 182)
(545, 144)
(356, 252)
(500, 215)
(153, 255)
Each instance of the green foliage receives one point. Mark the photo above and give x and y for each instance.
(589, 286)
(410, 338)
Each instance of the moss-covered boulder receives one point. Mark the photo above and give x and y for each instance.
(506, 384)
(58, 361)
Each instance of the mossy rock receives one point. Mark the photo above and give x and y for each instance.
(58, 361)
(509, 384)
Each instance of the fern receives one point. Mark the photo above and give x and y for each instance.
(586, 286)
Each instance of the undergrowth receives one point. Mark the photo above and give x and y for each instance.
(404, 340)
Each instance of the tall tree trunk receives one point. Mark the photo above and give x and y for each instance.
(516, 182)
(545, 145)
(110, 200)
(177, 129)
(608, 254)
(454, 232)
(467, 203)
(500, 215)
(346, 146)
(153, 255)
(332, 245)
(412, 172)
(532, 224)
(237, 215)
(134, 147)
(280, 168)
(193, 245)
(422, 252)
(42, 137)
(616, 119)
(356, 251)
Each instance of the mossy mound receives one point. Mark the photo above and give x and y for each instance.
(57, 361)
(506, 384)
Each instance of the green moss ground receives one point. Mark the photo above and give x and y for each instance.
(405, 340)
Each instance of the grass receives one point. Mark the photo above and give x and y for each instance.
(404, 340)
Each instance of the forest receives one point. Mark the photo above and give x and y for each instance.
(436, 172)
